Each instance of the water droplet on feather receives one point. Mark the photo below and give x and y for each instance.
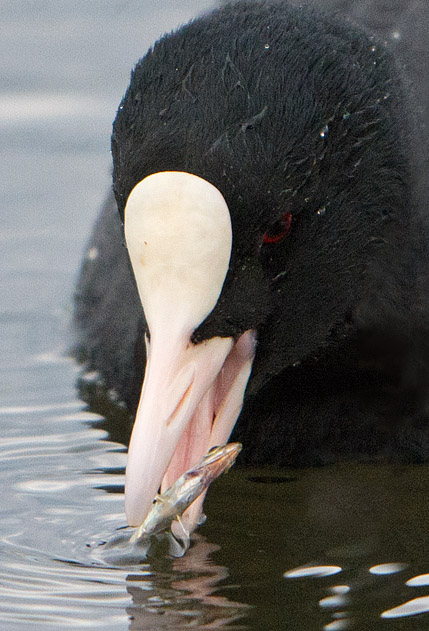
(324, 131)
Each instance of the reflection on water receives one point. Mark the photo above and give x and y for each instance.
(342, 600)
(410, 608)
(182, 593)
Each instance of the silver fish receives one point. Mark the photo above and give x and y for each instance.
(176, 499)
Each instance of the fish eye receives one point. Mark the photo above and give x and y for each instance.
(212, 449)
(279, 230)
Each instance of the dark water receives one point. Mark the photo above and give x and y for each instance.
(325, 549)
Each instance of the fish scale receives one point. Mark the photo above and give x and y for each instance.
(185, 490)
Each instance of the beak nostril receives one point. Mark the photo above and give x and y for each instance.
(180, 404)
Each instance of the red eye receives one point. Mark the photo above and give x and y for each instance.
(280, 230)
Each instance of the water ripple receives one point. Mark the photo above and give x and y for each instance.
(60, 502)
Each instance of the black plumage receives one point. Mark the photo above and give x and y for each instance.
(285, 110)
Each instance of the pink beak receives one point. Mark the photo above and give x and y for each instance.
(191, 398)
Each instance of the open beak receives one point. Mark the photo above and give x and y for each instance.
(178, 234)
(191, 398)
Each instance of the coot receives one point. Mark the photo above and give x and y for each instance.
(268, 172)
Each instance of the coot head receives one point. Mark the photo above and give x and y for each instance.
(261, 170)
